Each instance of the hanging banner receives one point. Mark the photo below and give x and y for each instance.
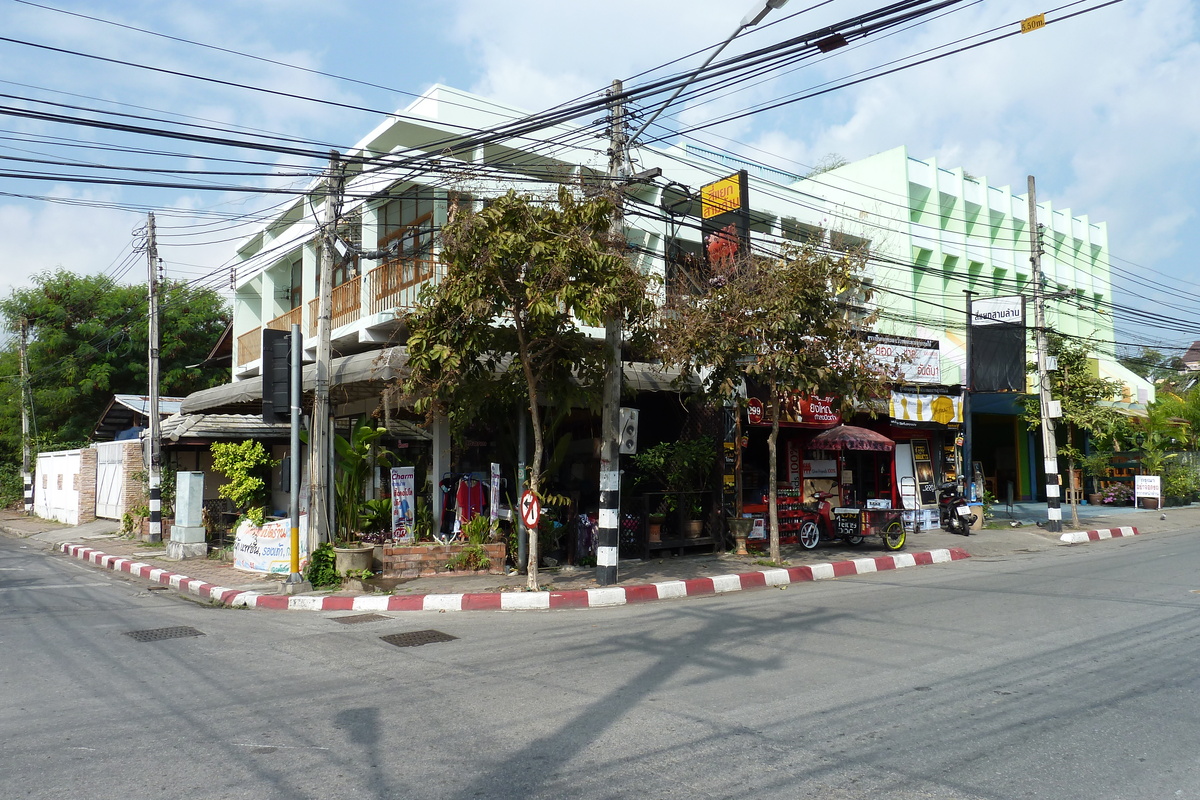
(998, 344)
(494, 499)
(923, 469)
(910, 410)
(403, 489)
(915, 361)
(268, 548)
(795, 462)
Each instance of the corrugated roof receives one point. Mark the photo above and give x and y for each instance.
(182, 427)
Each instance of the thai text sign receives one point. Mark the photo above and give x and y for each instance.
(797, 411)
(268, 548)
(403, 484)
(1147, 486)
(914, 360)
(721, 196)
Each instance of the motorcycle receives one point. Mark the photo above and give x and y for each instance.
(953, 511)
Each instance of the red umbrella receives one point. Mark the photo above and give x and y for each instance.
(849, 437)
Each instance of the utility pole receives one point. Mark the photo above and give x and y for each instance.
(968, 432)
(152, 409)
(320, 520)
(26, 443)
(1049, 442)
(610, 442)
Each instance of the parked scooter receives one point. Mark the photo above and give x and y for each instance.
(953, 511)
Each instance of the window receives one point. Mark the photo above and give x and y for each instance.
(407, 219)
(795, 231)
(850, 244)
(296, 293)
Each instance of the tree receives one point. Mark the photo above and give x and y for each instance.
(522, 276)
(88, 340)
(791, 322)
(1081, 393)
(1153, 365)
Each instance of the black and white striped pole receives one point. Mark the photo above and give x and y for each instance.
(155, 422)
(1049, 406)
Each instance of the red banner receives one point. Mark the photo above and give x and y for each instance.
(796, 411)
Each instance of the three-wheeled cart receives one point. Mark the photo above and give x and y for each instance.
(851, 521)
(852, 525)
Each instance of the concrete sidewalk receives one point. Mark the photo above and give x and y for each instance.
(658, 578)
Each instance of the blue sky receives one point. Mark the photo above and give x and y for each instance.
(1101, 108)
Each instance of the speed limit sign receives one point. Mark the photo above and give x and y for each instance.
(531, 509)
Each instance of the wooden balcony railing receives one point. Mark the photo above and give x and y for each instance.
(249, 346)
(396, 284)
(346, 306)
(285, 320)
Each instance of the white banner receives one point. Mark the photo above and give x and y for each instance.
(269, 548)
(917, 360)
(403, 489)
(943, 409)
(494, 500)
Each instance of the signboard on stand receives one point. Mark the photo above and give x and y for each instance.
(403, 485)
(268, 548)
(1147, 486)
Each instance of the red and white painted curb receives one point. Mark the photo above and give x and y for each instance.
(1078, 537)
(517, 601)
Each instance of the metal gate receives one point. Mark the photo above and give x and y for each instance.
(110, 478)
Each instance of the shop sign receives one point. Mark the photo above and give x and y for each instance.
(917, 361)
(820, 468)
(1147, 486)
(721, 196)
(268, 548)
(796, 411)
(998, 310)
(795, 459)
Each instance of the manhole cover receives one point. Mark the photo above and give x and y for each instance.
(417, 638)
(355, 619)
(155, 634)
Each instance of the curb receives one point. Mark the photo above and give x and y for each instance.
(1078, 537)
(514, 601)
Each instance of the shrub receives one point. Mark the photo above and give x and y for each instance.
(1116, 493)
(322, 570)
(470, 558)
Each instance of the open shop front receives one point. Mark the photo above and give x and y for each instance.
(927, 425)
(835, 481)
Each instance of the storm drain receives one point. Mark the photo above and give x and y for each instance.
(355, 619)
(417, 638)
(157, 634)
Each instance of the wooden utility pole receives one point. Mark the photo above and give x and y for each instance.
(610, 442)
(155, 422)
(320, 520)
(26, 442)
(1049, 442)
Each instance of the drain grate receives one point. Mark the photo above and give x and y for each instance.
(355, 619)
(157, 634)
(417, 638)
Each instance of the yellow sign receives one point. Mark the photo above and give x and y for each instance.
(1033, 23)
(721, 196)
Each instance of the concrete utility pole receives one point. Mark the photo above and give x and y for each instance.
(610, 443)
(155, 422)
(1049, 442)
(26, 442)
(968, 432)
(320, 520)
(610, 415)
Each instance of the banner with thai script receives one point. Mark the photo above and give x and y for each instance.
(997, 349)
(916, 361)
(403, 489)
(796, 411)
(909, 410)
(268, 548)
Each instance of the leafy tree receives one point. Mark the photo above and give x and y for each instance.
(247, 467)
(1081, 393)
(88, 339)
(787, 322)
(1153, 365)
(522, 278)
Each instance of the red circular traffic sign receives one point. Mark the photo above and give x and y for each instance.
(531, 509)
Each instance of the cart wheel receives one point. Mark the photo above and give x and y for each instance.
(853, 541)
(893, 537)
(810, 535)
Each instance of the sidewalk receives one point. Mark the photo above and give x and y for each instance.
(639, 581)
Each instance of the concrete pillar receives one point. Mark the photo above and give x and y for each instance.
(187, 534)
(441, 465)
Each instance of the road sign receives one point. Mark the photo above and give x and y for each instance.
(531, 509)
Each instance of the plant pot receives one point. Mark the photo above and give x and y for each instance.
(693, 529)
(741, 529)
(654, 532)
(1149, 502)
(1094, 499)
(353, 557)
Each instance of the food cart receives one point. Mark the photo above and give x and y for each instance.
(857, 516)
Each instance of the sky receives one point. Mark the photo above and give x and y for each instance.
(1101, 107)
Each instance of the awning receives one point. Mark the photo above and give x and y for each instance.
(850, 437)
(352, 378)
(365, 375)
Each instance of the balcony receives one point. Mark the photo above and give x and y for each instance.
(346, 306)
(249, 346)
(285, 320)
(396, 284)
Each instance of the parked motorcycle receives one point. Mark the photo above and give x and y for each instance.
(953, 511)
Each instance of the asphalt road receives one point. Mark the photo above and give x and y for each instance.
(1070, 673)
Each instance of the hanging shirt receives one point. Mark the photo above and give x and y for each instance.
(469, 500)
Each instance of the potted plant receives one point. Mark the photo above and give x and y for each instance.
(356, 456)
(680, 468)
(1096, 465)
(1117, 494)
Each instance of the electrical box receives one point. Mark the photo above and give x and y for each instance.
(628, 431)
